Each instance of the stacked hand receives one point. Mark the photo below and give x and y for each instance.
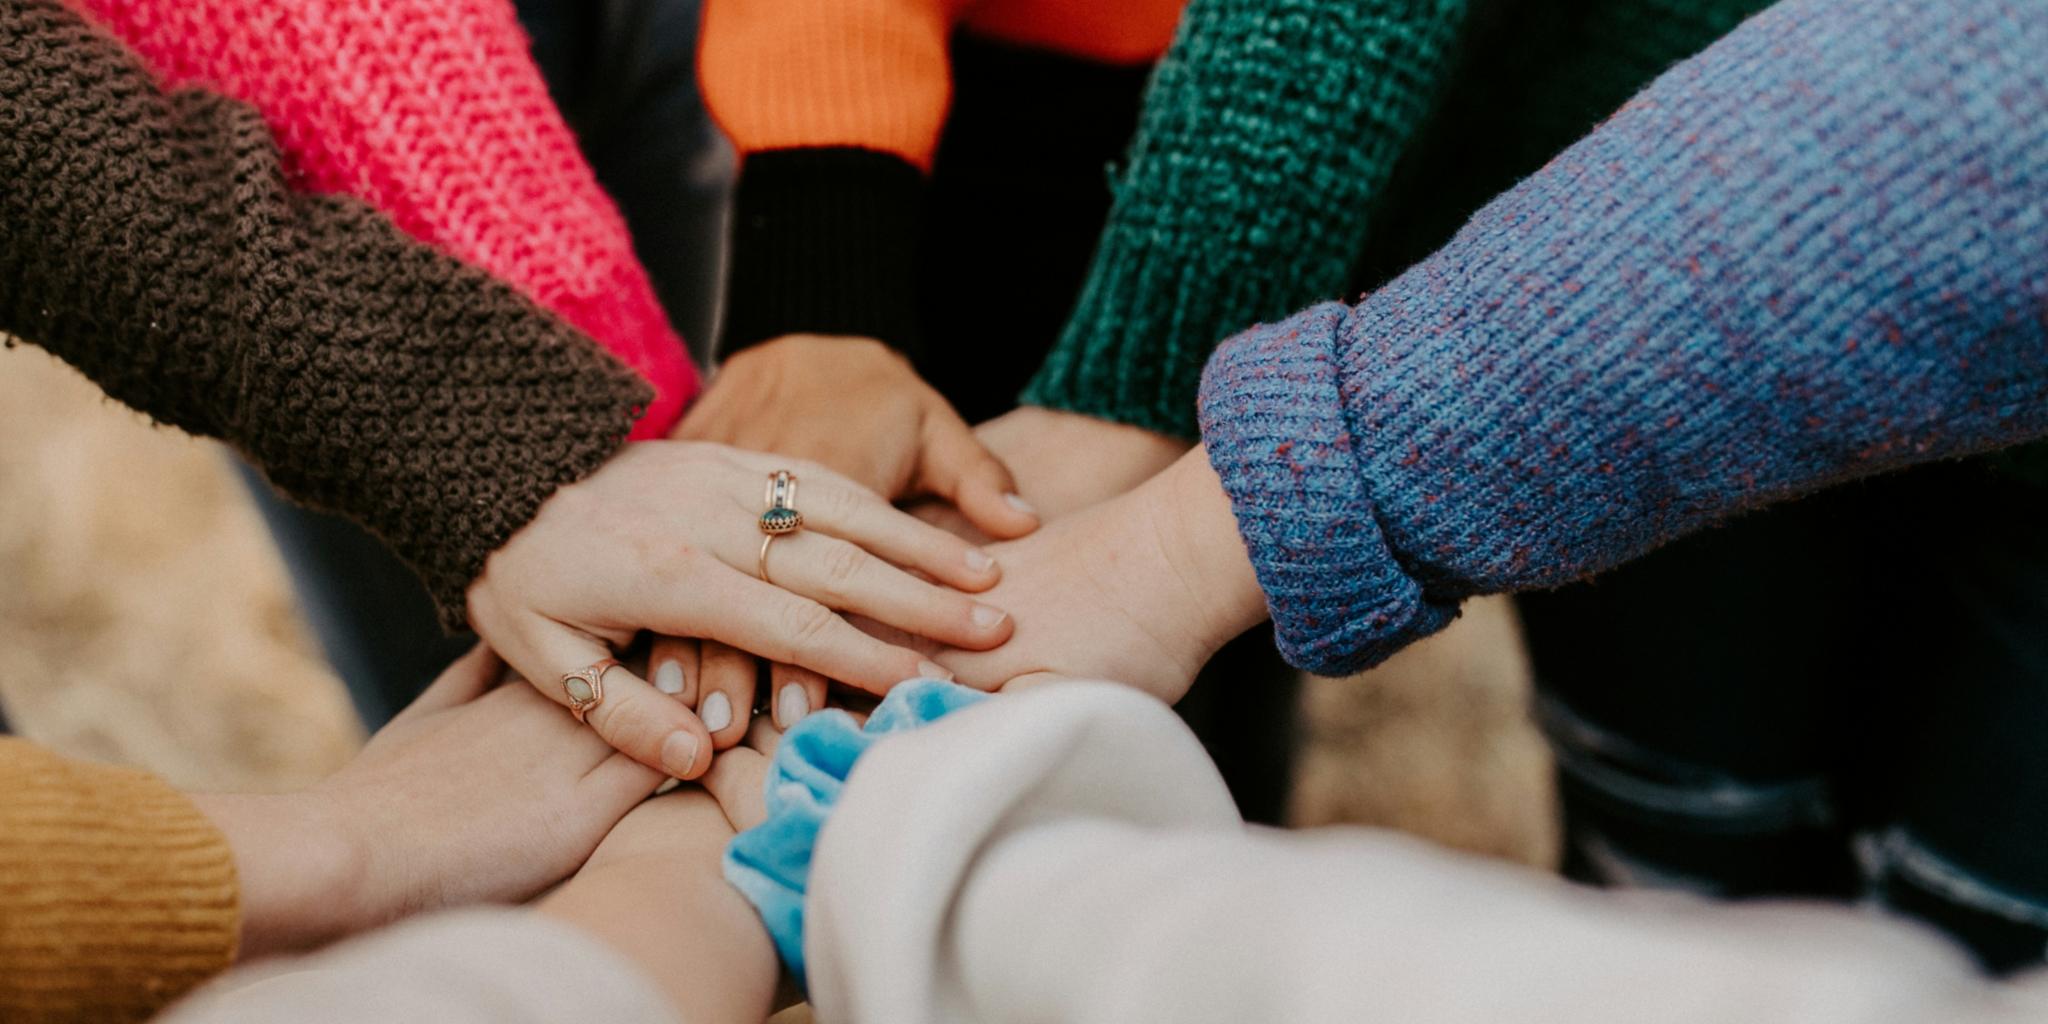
(858, 408)
(665, 537)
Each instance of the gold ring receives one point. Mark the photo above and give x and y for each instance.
(585, 687)
(765, 541)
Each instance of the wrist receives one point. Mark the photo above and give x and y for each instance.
(689, 932)
(300, 870)
(1213, 572)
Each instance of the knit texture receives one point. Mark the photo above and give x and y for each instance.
(116, 894)
(874, 74)
(824, 241)
(1268, 129)
(836, 108)
(152, 243)
(433, 112)
(770, 863)
(1817, 251)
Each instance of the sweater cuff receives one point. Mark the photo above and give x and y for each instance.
(824, 241)
(771, 863)
(1157, 301)
(1274, 423)
(120, 895)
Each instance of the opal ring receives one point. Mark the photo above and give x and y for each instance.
(585, 687)
(781, 515)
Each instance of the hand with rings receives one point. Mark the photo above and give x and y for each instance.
(676, 538)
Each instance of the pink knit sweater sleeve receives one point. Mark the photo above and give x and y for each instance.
(433, 112)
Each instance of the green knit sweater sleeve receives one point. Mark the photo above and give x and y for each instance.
(1267, 131)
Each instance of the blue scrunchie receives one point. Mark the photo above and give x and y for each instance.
(771, 862)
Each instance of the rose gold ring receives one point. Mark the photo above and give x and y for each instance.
(585, 687)
(765, 541)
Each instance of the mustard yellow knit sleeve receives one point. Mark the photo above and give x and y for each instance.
(116, 893)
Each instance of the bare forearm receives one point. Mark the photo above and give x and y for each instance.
(300, 878)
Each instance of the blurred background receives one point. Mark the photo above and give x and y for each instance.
(145, 619)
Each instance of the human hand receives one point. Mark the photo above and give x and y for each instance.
(469, 795)
(664, 538)
(1140, 589)
(857, 407)
(655, 891)
(1066, 461)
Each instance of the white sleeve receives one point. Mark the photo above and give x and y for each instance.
(495, 966)
(1069, 854)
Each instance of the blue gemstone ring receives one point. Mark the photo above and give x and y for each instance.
(781, 517)
(781, 520)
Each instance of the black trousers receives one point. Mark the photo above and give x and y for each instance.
(1844, 697)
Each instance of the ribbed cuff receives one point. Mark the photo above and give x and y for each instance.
(119, 894)
(1274, 423)
(824, 241)
(1157, 302)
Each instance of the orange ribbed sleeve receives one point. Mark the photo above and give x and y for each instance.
(116, 893)
(790, 74)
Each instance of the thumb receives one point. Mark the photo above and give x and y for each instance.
(957, 468)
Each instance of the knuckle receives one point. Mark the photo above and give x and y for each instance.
(841, 503)
(842, 565)
(807, 624)
(635, 727)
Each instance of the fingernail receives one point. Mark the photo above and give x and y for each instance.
(791, 705)
(1017, 502)
(986, 617)
(679, 753)
(979, 560)
(932, 670)
(668, 677)
(716, 712)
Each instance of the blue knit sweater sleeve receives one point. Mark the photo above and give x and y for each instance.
(1816, 251)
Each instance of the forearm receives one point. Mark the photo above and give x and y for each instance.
(1267, 132)
(301, 880)
(152, 243)
(1812, 253)
(835, 107)
(380, 100)
(116, 894)
(495, 966)
(687, 931)
(1071, 855)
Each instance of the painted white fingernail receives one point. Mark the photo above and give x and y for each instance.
(932, 670)
(979, 560)
(668, 677)
(791, 705)
(986, 617)
(679, 753)
(716, 712)
(1017, 502)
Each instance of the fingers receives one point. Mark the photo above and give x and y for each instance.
(635, 718)
(459, 683)
(611, 789)
(955, 466)
(781, 626)
(838, 507)
(727, 703)
(735, 782)
(796, 691)
(845, 577)
(672, 666)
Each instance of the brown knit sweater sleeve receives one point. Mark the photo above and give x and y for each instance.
(116, 894)
(150, 241)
